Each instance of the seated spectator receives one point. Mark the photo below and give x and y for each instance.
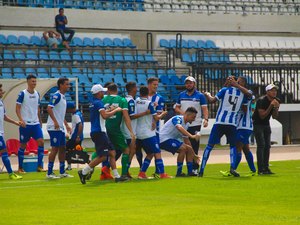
(60, 24)
(53, 42)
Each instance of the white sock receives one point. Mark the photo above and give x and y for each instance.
(116, 174)
(86, 170)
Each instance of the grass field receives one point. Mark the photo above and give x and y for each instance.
(212, 199)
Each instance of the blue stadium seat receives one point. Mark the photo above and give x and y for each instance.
(165, 80)
(175, 80)
(184, 44)
(87, 72)
(172, 43)
(12, 40)
(6, 73)
(65, 72)
(75, 71)
(43, 55)
(69, 4)
(42, 73)
(214, 58)
(139, 58)
(109, 6)
(140, 71)
(53, 55)
(128, 57)
(210, 44)
(83, 79)
(118, 71)
(65, 56)
(206, 58)
(107, 79)
(129, 71)
(118, 42)
(87, 42)
(96, 70)
(141, 79)
(54, 72)
(30, 71)
(171, 72)
(118, 79)
(201, 44)
(192, 44)
(8, 55)
(108, 71)
(99, 5)
(41, 70)
(35, 40)
(224, 58)
(89, 4)
(108, 57)
(48, 3)
(186, 58)
(76, 42)
(151, 73)
(194, 57)
(149, 58)
(161, 72)
(139, 7)
(19, 73)
(31, 55)
(130, 77)
(97, 78)
(164, 43)
(98, 42)
(97, 57)
(3, 40)
(86, 56)
(23, 40)
(182, 78)
(118, 57)
(19, 55)
(128, 43)
(107, 42)
(77, 56)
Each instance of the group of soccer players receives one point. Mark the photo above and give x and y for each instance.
(121, 127)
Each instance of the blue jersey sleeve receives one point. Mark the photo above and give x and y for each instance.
(54, 100)
(151, 108)
(203, 100)
(221, 93)
(131, 107)
(160, 104)
(99, 105)
(176, 120)
(20, 97)
(178, 102)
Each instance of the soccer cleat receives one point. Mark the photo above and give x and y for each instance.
(164, 176)
(21, 170)
(181, 175)
(66, 175)
(52, 176)
(156, 175)
(14, 176)
(81, 177)
(106, 171)
(40, 169)
(89, 175)
(252, 173)
(129, 176)
(193, 174)
(121, 179)
(225, 173)
(142, 176)
(268, 171)
(200, 174)
(234, 173)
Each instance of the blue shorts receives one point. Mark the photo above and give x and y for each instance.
(150, 145)
(57, 138)
(2, 143)
(102, 143)
(171, 145)
(128, 141)
(243, 136)
(219, 130)
(34, 131)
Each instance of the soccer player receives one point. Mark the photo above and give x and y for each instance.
(192, 97)
(146, 134)
(113, 124)
(28, 112)
(174, 138)
(55, 127)
(77, 129)
(99, 136)
(231, 99)
(3, 150)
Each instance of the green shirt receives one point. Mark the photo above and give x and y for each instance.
(113, 123)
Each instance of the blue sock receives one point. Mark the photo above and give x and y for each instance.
(6, 162)
(189, 166)
(40, 156)
(145, 165)
(62, 167)
(233, 154)
(205, 157)
(156, 168)
(238, 160)
(249, 158)
(179, 168)
(21, 157)
(50, 167)
(160, 166)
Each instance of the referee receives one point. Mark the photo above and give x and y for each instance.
(266, 106)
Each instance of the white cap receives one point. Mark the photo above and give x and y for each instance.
(97, 88)
(271, 86)
(190, 79)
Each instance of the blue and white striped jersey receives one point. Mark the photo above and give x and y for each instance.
(245, 121)
(159, 103)
(231, 100)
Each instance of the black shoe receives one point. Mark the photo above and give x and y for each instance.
(200, 174)
(234, 173)
(89, 175)
(181, 175)
(122, 179)
(268, 171)
(81, 177)
(193, 174)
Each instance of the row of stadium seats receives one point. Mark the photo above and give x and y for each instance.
(206, 58)
(85, 56)
(209, 44)
(120, 5)
(76, 41)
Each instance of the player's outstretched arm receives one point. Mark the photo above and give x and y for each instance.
(106, 114)
(185, 133)
(10, 120)
(157, 117)
(210, 98)
(178, 110)
(244, 90)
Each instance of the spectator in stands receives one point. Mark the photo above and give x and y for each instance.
(77, 130)
(53, 42)
(28, 112)
(60, 24)
(266, 106)
(3, 151)
(192, 97)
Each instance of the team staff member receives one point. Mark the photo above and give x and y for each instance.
(266, 106)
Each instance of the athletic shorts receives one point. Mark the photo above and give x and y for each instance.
(34, 131)
(243, 136)
(2, 143)
(102, 143)
(171, 145)
(118, 140)
(219, 130)
(150, 145)
(57, 138)
(128, 141)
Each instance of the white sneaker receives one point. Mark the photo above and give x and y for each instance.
(52, 176)
(65, 175)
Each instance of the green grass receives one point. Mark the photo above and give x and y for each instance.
(212, 199)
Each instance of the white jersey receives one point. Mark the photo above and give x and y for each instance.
(29, 106)
(231, 100)
(2, 113)
(245, 118)
(144, 123)
(59, 105)
(169, 130)
(131, 111)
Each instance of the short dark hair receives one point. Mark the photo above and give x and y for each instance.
(112, 87)
(244, 79)
(30, 76)
(191, 110)
(60, 9)
(130, 85)
(107, 84)
(61, 81)
(144, 91)
(151, 79)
